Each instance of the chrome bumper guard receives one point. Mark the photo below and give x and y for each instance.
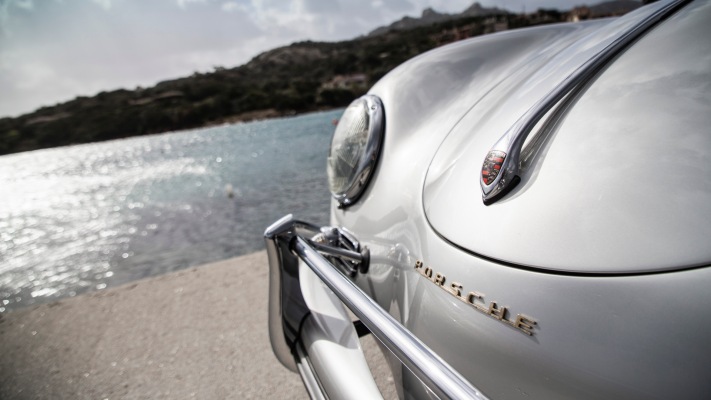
(289, 240)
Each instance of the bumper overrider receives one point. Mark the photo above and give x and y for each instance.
(311, 333)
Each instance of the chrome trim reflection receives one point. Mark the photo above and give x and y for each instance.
(431, 369)
(287, 307)
(366, 164)
(308, 376)
(512, 141)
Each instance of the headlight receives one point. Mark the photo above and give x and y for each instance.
(354, 148)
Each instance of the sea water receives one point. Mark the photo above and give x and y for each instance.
(87, 217)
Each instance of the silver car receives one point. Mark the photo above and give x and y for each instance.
(520, 215)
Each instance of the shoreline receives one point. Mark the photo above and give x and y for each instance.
(195, 333)
(247, 117)
(199, 333)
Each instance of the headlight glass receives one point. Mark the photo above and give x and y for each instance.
(354, 148)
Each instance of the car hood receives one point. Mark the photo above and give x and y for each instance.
(620, 182)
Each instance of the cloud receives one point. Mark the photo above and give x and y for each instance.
(26, 4)
(5, 10)
(30, 83)
(183, 4)
(34, 75)
(105, 4)
(328, 20)
(231, 6)
(395, 5)
(52, 51)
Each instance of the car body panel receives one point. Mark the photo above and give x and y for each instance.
(608, 310)
(328, 337)
(622, 182)
(595, 337)
(601, 332)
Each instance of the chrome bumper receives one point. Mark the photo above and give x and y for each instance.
(289, 240)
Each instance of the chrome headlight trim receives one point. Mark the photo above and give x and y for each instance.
(355, 148)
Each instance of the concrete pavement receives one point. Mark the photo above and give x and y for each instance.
(197, 333)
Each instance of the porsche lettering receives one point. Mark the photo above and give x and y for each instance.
(521, 322)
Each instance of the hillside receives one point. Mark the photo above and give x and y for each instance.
(304, 76)
(430, 16)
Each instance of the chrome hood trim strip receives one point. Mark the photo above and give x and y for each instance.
(285, 245)
(505, 154)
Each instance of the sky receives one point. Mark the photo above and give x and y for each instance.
(52, 51)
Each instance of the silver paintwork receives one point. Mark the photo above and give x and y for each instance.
(611, 259)
(326, 335)
(308, 376)
(512, 141)
(331, 344)
(620, 183)
(434, 372)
